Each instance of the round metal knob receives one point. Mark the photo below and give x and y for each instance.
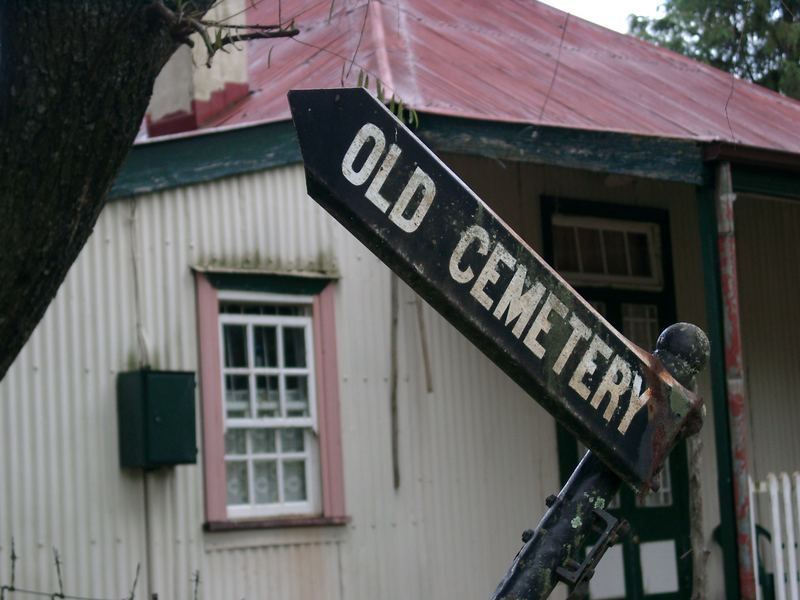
(684, 350)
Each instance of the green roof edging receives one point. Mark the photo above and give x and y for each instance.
(195, 159)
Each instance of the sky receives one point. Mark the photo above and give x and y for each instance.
(608, 13)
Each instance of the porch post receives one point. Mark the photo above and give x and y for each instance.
(734, 375)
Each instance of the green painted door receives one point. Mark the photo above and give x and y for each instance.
(618, 258)
(654, 561)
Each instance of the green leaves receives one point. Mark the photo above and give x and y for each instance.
(395, 105)
(758, 40)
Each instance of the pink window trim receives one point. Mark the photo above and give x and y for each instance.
(327, 378)
(211, 393)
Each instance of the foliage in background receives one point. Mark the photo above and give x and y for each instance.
(758, 40)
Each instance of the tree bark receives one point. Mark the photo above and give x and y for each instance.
(75, 81)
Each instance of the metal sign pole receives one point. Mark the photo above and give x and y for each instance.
(390, 191)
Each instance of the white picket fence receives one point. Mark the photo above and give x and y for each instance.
(778, 497)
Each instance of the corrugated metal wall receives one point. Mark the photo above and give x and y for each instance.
(477, 456)
(768, 255)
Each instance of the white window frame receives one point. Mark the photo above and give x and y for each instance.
(311, 452)
(651, 230)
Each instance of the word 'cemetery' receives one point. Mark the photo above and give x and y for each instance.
(520, 307)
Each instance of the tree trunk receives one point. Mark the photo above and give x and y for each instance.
(75, 81)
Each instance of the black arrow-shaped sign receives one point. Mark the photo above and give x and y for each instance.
(387, 188)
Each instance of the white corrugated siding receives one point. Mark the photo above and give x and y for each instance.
(768, 255)
(477, 456)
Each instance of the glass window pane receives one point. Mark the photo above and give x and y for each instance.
(564, 249)
(267, 396)
(639, 251)
(661, 497)
(292, 440)
(262, 440)
(591, 253)
(265, 340)
(237, 482)
(235, 345)
(236, 441)
(294, 346)
(616, 261)
(265, 480)
(297, 396)
(237, 396)
(294, 480)
(640, 324)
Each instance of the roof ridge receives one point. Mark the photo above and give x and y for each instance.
(379, 41)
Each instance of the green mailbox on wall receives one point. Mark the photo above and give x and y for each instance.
(156, 418)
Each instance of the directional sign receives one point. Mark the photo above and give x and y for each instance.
(377, 179)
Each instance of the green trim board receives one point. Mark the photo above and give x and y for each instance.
(709, 251)
(604, 151)
(268, 283)
(180, 161)
(767, 182)
(191, 159)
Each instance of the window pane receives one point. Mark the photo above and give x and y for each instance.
(591, 253)
(235, 441)
(294, 346)
(235, 345)
(237, 482)
(564, 249)
(662, 497)
(237, 396)
(294, 480)
(267, 396)
(616, 261)
(265, 339)
(262, 440)
(292, 440)
(640, 324)
(297, 396)
(230, 308)
(640, 255)
(266, 481)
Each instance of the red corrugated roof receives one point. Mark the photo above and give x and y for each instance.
(508, 60)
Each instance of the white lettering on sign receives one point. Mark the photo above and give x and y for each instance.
(366, 133)
(519, 303)
(637, 401)
(542, 324)
(611, 386)
(579, 331)
(419, 181)
(374, 190)
(588, 366)
(473, 234)
(520, 300)
(419, 184)
(490, 274)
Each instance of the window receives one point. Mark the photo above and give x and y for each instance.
(271, 454)
(271, 439)
(607, 252)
